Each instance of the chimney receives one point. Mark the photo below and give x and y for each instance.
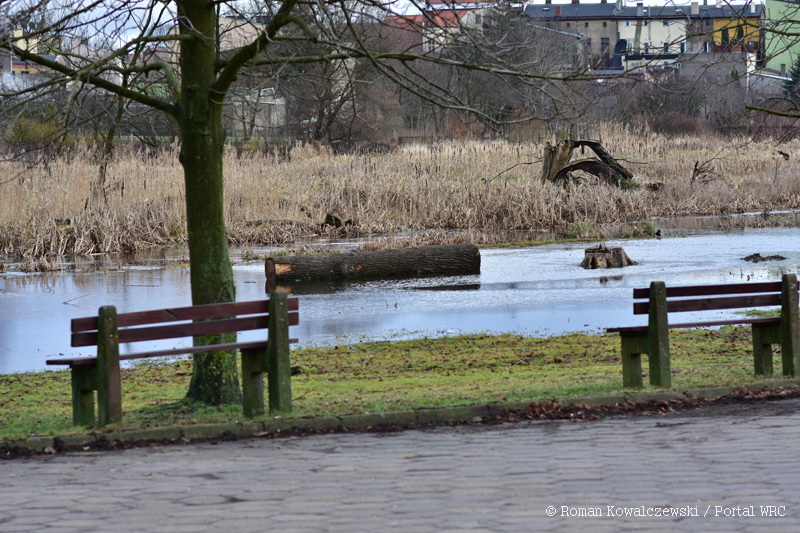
(576, 1)
(548, 1)
(640, 9)
(695, 9)
(603, 1)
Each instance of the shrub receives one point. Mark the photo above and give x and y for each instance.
(34, 134)
(675, 123)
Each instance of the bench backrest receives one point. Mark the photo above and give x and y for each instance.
(209, 319)
(729, 296)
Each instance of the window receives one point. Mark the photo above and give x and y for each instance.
(568, 24)
(605, 24)
(477, 19)
(627, 22)
(665, 23)
(585, 24)
(604, 45)
(646, 22)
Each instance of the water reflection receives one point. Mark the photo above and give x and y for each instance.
(540, 290)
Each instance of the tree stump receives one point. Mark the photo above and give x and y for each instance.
(557, 168)
(604, 257)
(438, 260)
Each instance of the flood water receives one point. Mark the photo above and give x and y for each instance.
(537, 291)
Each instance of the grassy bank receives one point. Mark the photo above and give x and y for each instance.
(480, 186)
(385, 376)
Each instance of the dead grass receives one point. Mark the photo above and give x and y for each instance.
(480, 186)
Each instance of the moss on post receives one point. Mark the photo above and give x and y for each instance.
(658, 334)
(278, 360)
(790, 325)
(109, 389)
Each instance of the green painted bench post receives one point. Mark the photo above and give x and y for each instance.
(633, 346)
(790, 327)
(109, 388)
(253, 368)
(278, 362)
(658, 335)
(83, 386)
(764, 336)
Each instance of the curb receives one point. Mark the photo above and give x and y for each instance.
(394, 420)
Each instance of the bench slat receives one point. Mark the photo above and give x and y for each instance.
(195, 312)
(708, 304)
(688, 325)
(189, 329)
(185, 350)
(711, 290)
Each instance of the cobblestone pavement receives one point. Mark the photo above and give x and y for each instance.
(713, 467)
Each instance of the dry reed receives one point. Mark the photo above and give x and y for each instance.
(40, 264)
(482, 186)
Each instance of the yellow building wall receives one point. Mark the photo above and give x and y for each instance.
(750, 25)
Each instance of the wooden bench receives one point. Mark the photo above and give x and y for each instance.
(660, 301)
(108, 330)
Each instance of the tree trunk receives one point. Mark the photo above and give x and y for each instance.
(555, 157)
(603, 257)
(214, 378)
(450, 260)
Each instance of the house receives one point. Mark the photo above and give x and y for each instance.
(398, 33)
(444, 21)
(594, 23)
(654, 37)
(782, 29)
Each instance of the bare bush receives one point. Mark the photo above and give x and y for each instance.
(676, 123)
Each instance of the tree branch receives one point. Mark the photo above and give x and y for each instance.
(91, 78)
(245, 54)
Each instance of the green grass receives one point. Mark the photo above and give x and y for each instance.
(387, 376)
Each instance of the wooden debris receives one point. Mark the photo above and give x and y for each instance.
(758, 258)
(557, 166)
(603, 257)
(438, 260)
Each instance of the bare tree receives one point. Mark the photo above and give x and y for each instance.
(183, 59)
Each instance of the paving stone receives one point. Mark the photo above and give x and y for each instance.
(469, 478)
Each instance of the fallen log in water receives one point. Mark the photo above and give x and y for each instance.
(439, 260)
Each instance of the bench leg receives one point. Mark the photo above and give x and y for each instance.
(253, 382)
(109, 388)
(790, 326)
(632, 348)
(83, 387)
(279, 366)
(764, 336)
(658, 334)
